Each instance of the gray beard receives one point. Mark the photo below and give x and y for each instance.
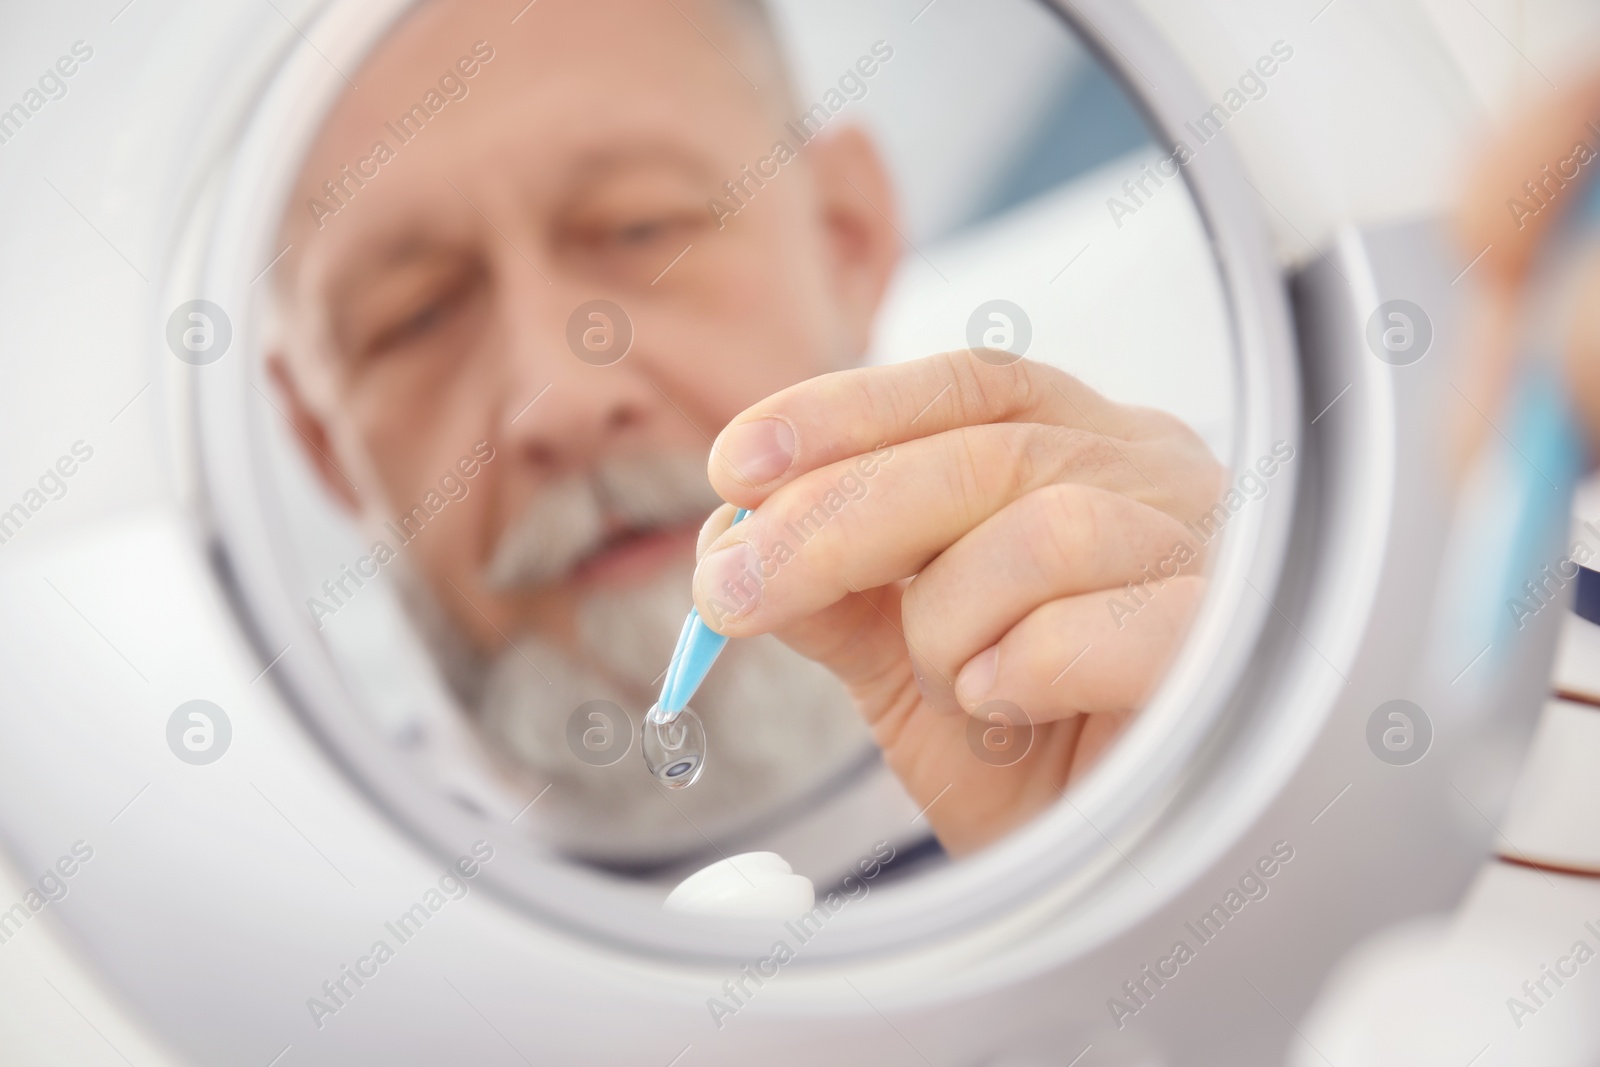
(777, 724)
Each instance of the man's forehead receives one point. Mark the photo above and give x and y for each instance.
(563, 67)
(555, 43)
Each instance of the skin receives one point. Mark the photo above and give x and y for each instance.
(1016, 505)
(1016, 502)
(1542, 135)
(395, 364)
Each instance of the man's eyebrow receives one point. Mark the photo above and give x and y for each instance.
(420, 241)
(385, 254)
(602, 162)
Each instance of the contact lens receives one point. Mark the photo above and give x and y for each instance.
(674, 751)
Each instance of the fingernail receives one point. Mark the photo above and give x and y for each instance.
(759, 451)
(728, 582)
(977, 677)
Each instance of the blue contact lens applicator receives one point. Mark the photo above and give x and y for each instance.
(698, 648)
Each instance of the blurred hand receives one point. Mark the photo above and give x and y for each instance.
(952, 532)
(1498, 213)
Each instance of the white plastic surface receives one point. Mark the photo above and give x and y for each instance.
(1555, 818)
(751, 885)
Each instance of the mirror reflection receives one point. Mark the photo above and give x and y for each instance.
(570, 283)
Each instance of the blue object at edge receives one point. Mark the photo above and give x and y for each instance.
(1549, 443)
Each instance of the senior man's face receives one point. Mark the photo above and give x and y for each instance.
(568, 157)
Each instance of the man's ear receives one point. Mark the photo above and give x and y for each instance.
(313, 434)
(859, 211)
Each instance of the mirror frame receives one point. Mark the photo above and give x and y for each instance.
(1062, 854)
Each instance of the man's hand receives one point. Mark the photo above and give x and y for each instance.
(1552, 142)
(950, 533)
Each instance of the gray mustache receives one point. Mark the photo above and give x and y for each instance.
(572, 518)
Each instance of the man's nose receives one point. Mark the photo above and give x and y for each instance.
(571, 393)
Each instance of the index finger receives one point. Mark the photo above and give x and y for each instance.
(847, 413)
